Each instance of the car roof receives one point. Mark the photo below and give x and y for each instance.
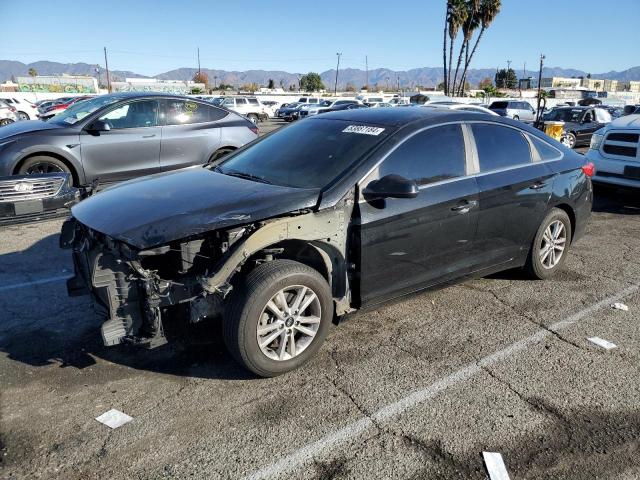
(396, 117)
(128, 95)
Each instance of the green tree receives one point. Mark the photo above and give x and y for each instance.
(457, 14)
(489, 10)
(506, 78)
(468, 27)
(311, 82)
(271, 84)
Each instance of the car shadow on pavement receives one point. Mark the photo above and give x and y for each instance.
(577, 443)
(41, 326)
(616, 200)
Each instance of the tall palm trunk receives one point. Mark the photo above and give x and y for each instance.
(455, 76)
(450, 87)
(473, 51)
(444, 52)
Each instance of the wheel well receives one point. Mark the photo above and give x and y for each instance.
(227, 149)
(299, 251)
(74, 173)
(572, 216)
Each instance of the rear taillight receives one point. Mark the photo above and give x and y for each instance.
(254, 129)
(589, 169)
(13, 109)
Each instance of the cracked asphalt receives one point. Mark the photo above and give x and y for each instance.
(418, 388)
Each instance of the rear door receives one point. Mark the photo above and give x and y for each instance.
(130, 149)
(410, 243)
(588, 124)
(514, 192)
(190, 133)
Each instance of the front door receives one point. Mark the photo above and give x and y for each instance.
(410, 243)
(514, 192)
(131, 148)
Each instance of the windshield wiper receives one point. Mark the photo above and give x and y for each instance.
(247, 176)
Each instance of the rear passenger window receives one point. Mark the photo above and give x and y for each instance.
(546, 151)
(500, 147)
(181, 112)
(429, 156)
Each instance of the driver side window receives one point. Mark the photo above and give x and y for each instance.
(132, 115)
(429, 156)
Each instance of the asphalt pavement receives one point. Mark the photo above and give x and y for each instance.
(418, 388)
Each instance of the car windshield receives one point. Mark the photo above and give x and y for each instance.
(309, 154)
(565, 115)
(78, 110)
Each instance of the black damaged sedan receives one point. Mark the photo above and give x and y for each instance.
(337, 213)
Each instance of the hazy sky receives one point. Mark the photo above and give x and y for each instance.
(151, 37)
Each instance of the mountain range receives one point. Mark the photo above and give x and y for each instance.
(383, 77)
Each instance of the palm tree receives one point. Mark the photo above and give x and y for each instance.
(457, 16)
(472, 22)
(489, 10)
(444, 45)
(33, 74)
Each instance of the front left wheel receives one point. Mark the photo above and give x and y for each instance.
(278, 317)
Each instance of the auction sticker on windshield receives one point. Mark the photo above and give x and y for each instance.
(364, 130)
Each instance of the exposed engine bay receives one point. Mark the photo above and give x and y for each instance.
(135, 290)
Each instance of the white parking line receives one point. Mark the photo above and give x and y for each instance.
(34, 282)
(332, 440)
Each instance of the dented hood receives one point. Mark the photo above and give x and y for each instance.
(154, 210)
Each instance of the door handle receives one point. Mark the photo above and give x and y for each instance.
(149, 136)
(464, 206)
(537, 185)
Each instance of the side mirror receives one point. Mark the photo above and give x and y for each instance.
(99, 126)
(391, 186)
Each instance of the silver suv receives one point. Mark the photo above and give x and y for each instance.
(516, 109)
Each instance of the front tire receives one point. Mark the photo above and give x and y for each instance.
(569, 140)
(550, 245)
(516, 117)
(278, 317)
(42, 164)
(253, 118)
(5, 121)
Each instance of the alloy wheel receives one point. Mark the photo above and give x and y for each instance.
(289, 322)
(43, 167)
(553, 244)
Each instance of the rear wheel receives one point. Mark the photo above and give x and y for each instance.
(5, 121)
(516, 117)
(23, 116)
(253, 117)
(550, 245)
(42, 164)
(218, 154)
(278, 318)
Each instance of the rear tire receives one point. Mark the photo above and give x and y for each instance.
(43, 164)
(249, 314)
(550, 245)
(218, 154)
(516, 117)
(253, 118)
(5, 121)
(23, 116)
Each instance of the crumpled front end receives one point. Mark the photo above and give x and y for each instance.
(134, 291)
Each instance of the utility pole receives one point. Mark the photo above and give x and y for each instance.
(398, 83)
(366, 66)
(508, 65)
(542, 57)
(198, 61)
(106, 66)
(335, 87)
